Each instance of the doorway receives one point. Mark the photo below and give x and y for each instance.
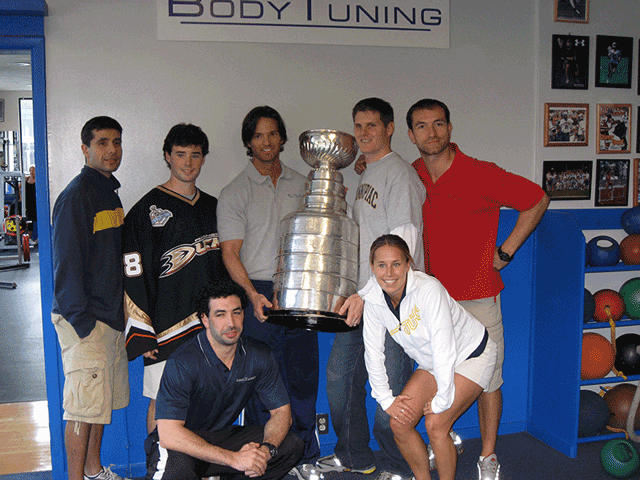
(23, 394)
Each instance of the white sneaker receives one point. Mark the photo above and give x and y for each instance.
(331, 463)
(457, 441)
(387, 475)
(306, 471)
(105, 474)
(489, 468)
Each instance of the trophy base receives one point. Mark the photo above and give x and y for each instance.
(314, 320)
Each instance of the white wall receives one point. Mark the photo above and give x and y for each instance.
(103, 58)
(606, 17)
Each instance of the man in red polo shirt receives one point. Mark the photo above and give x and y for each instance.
(461, 214)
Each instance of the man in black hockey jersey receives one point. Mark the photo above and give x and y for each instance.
(172, 248)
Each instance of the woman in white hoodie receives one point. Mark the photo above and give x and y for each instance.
(454, 353)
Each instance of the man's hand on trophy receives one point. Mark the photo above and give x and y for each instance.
(360, 165)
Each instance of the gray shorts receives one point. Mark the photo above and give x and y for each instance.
(96, 372)
(489, 313)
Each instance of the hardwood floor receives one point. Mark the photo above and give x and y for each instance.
(24, 438)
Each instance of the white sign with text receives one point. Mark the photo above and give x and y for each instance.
(390, 23)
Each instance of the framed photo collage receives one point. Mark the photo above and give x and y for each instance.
(567, 124)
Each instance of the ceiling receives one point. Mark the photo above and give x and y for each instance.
(15, 70)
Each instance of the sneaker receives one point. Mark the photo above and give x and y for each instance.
(331, 463)
(306, 471)
(105, 474)
(489, 468)
(457, 441)
(387, 475)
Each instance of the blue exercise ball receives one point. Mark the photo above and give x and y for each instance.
(593, 415)
(631, 220)
(589, 306)
(603, 251)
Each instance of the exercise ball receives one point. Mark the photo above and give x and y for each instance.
(630, 291)
(630, 220)
(619, 400)
(620, 458)
(603, 251)
(630, 250)
(593, 415)
(589, 306)
(628, 354)
(597, 356)
(608, 303)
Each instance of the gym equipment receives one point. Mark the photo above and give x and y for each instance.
(603, 251)
(630, 220)
(630, 250)
(609, 305)
(589, 306)
(628, 354)
(618, 400)
(630, 291)
(594, 414)
(619, 458)
(597, 356)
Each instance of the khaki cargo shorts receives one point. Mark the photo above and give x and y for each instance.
(96, 372)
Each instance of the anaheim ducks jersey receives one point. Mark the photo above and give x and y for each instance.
(171, 251)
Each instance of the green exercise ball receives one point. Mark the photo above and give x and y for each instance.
(630, 291)
(620, 458)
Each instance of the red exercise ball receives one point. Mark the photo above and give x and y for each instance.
(619, 400)
(610, 300)
(630, 250)
(597, 356)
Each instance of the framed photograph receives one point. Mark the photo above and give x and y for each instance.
(576, 11)
(567, 180)
(566, 124)
(612, 180)
(635, 193)
(614, 121)
(1, 110)
(614, 57)
(570, 62)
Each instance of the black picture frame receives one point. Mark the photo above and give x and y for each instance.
(570, 62)
(575, 11)
(567, 179)
(614, 61)
(612, 182)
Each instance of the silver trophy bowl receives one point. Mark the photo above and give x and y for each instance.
(317, 264)
(329, 148)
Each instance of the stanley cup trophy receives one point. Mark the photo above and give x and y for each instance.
(317, 264)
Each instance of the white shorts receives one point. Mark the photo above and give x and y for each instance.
(480, 369)
(151, 379)
(489, 312)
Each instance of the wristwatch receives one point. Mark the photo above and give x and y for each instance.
(273, 451)
(504, 256)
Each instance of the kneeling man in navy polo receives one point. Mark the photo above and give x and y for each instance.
(205, 385)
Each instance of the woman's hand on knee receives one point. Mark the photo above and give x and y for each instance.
(401, 411)
(427, 406)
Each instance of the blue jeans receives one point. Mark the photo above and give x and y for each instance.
(346, 392)
(296, 351)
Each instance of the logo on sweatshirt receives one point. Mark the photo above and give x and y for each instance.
(368, 194)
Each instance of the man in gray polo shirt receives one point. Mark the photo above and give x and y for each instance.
(249, 212)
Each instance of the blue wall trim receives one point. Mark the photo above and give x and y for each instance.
(36, 8)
